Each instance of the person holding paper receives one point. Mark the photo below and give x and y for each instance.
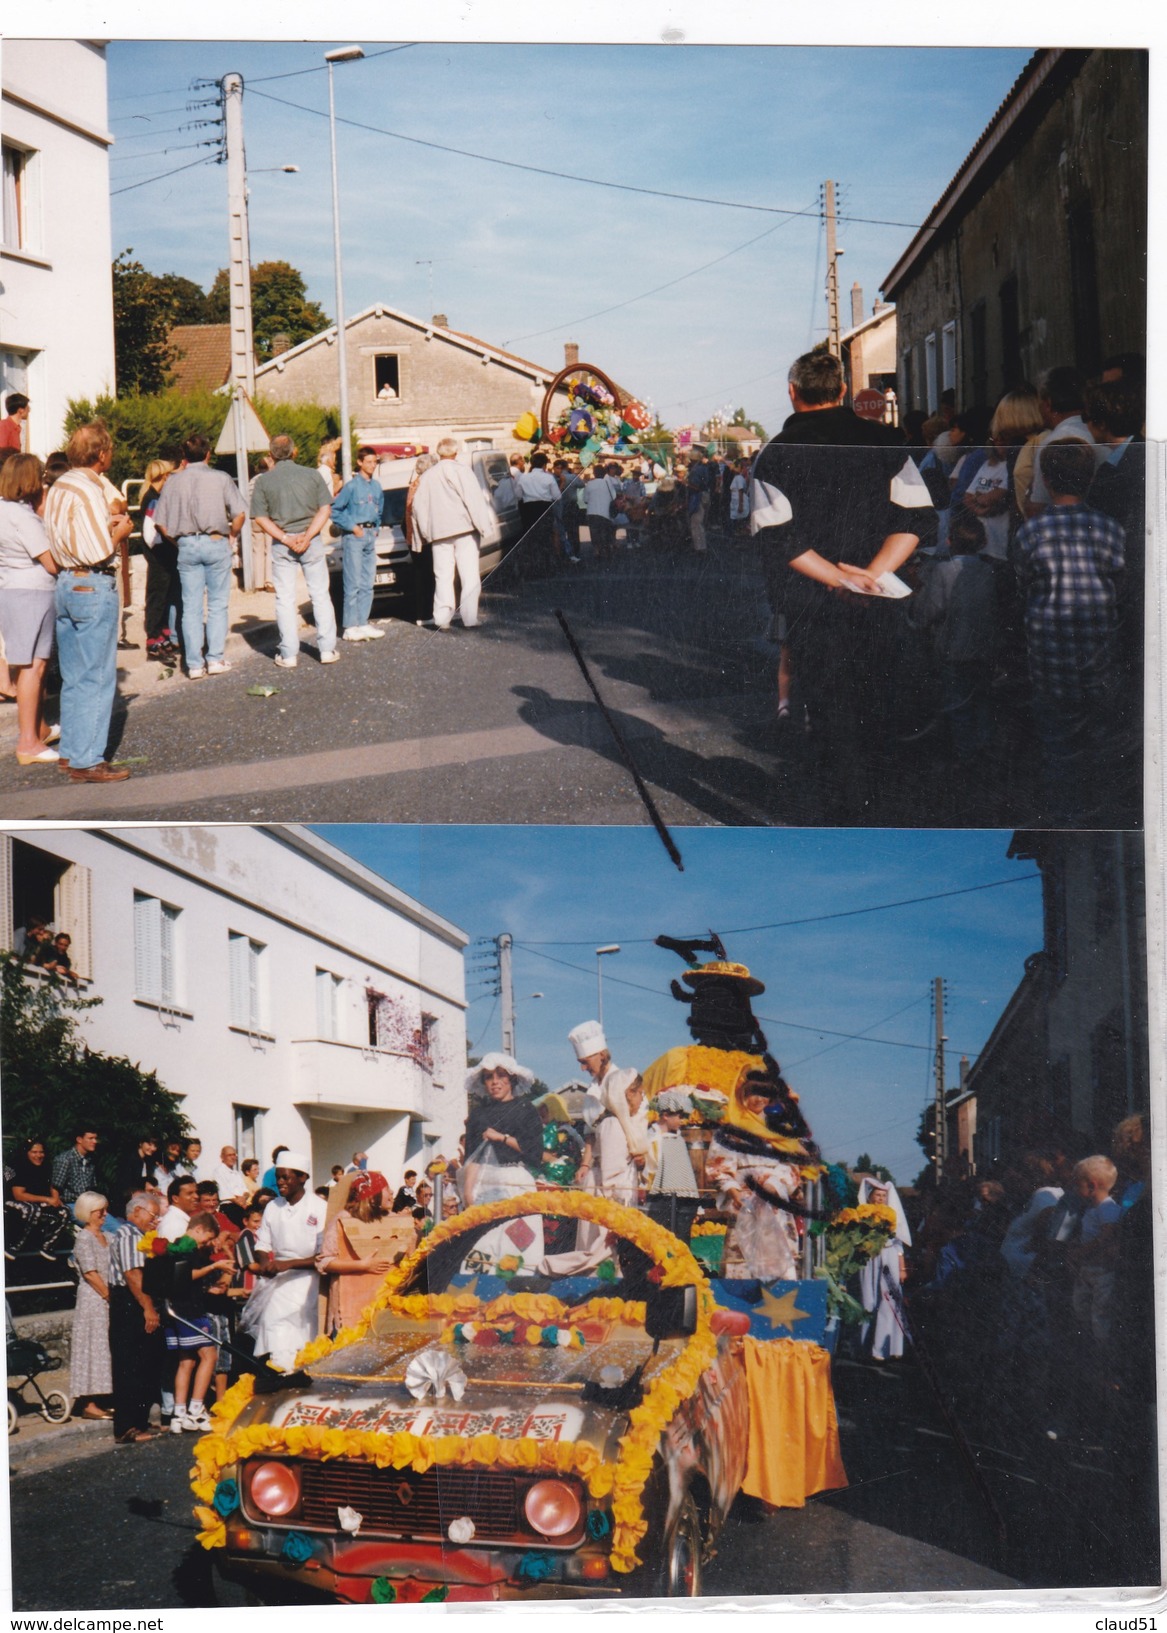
(838, 506)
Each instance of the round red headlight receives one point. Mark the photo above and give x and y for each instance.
(552, 1508)
(275, 1488)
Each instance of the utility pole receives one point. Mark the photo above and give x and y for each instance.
(239, 284)
(940, 1128)
(507, 993)
(833, 253)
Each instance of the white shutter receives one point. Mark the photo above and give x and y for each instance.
(72, 908)
(254, 973)
(147, 947)
(168, 972)
(6, 926)
(239, 955)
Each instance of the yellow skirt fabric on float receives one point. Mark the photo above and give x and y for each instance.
(794, 1432)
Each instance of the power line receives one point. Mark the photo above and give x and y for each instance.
(317, 68)
(145, 182)
(632, 299)
(156, 152)
(817, 918)
(567, 175)
(770, 1020)
(792, 1064)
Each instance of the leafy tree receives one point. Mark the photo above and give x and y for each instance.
(739, 418)
(155, 427)
(864, 1165)
(186, 299)
(141, 324)
(54, 1082)
(279, 305)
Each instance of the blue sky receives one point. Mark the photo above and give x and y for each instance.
(515, 254)
(551, 887)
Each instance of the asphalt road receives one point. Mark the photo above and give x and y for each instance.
(498, 725)
(113, 1529)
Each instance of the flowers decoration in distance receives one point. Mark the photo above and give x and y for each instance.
(708, 1227)
(146, 1243)
(622, 1481)
(226, 1498)
(853, 1237)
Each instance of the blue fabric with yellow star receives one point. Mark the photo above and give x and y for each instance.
(778, 1309)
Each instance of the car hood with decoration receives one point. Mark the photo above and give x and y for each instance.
(473, 1437)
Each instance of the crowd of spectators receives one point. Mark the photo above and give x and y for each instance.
(1033, 1292)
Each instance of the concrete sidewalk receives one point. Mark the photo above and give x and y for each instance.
(251, 627)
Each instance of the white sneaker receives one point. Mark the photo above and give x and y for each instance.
(178, 1423)
(330, 657)
(197, 1422)
(196, 674)
(218, 666)
(358, 632)
(285, 663)
(372, 633)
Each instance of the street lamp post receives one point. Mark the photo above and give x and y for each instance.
(344, 53)
(601, 954)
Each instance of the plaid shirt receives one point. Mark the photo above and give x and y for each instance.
(124, 1255)
(1068, 563)
(73, 1172)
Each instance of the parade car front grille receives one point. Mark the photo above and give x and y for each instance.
(398, 1502)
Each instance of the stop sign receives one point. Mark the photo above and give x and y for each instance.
(869, 404)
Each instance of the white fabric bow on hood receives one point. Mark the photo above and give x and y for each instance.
(434, 1371)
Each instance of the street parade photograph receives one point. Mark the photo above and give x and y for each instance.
(645, 1082)
(752, 472)
(388, 1225)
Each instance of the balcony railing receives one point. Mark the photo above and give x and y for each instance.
(355, 1077)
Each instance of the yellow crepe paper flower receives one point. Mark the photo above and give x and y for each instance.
(624, 1480)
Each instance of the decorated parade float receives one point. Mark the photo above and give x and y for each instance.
(598, 420)
(535, 1429)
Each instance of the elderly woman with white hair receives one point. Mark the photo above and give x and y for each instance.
(90, 1366)
(622, 1137)
(451, 512)
(504, 1152)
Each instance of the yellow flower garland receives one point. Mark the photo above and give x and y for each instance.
(624, 1480)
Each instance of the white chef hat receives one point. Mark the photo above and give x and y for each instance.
(295, 1160)
(587, 1039)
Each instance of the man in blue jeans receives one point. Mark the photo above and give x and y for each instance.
(202, 511)
(356, 514)
(292, 504)
(83, 536)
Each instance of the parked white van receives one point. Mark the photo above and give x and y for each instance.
(393, 579)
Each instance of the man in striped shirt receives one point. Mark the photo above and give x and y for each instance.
(135, 1328)
(85, 521)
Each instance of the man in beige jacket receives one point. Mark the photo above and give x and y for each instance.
(451, 512)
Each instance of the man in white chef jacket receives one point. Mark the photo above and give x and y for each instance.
(286, 1245)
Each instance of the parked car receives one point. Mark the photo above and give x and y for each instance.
(479, 1438)
(394, 575)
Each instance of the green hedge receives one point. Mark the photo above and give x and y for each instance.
(155, 426)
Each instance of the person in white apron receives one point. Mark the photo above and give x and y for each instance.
(282, 1314)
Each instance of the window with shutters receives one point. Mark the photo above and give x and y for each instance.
(247, 969)
(36, 884)
(158, 972)
(329, 1012)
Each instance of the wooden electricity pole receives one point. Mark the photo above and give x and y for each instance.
(832, 271)
(940, 1129)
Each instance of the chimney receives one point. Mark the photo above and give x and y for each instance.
(440, 320)
(964, 1071)
(280, 343)
(856, 305)
(570, 354)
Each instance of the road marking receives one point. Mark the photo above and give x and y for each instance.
(580, 726)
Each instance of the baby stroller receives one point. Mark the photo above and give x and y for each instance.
(27, 1357)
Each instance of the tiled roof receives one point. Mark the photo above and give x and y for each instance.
(203, 355)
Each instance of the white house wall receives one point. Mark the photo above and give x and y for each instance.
(311, 908)
(56, 293)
